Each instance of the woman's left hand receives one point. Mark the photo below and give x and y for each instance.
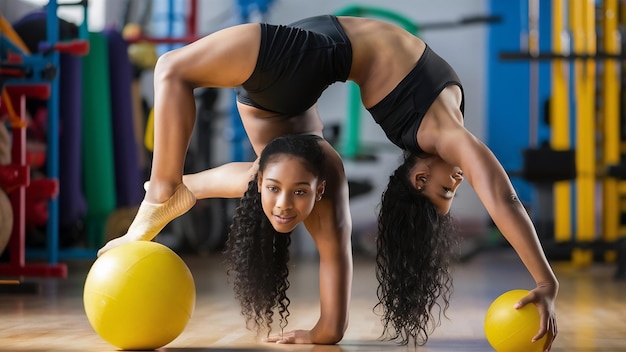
(543, 297)
(295, 336)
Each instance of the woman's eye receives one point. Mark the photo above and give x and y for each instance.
(272, 188)
(300, 192)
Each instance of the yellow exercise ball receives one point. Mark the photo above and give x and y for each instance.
(511, 330)
(139, 296)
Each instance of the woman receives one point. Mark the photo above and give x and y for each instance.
(412, 93)
(297, 179)
(300, 180)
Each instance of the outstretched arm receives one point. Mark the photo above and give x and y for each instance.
(486, 175)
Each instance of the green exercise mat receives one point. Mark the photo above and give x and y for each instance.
(98, 161)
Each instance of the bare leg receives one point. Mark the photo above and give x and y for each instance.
(167, 197)
(225, 181)
(223, 59)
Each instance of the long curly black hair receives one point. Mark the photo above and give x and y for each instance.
(256, 255)
(415, 246)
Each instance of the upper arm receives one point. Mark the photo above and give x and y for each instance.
(481, 168)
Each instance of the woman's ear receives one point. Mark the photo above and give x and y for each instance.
(419, 180)
(419, 174)
(320, 190)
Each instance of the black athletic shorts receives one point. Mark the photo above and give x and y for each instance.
(296, 64)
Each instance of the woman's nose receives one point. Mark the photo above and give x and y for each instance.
(283, 201)
(458, 178)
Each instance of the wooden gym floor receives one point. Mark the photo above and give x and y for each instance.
(591, 310)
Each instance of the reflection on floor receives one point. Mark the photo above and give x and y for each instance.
(591, 310)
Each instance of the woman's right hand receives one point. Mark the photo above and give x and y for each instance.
(543, 297)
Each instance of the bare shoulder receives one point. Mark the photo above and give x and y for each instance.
(334, 172)
(330, 218)
(443, 118)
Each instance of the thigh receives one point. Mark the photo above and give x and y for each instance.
(225, 58)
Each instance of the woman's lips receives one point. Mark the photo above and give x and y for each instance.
(283, 219)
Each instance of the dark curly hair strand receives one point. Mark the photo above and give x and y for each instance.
(256, 255)
(415, 247)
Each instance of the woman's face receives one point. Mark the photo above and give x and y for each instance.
(288, 192)
(437, 180)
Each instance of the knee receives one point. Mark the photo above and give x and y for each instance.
(168, 67)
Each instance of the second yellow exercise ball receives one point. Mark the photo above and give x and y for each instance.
(139, 296)
(511, 330)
